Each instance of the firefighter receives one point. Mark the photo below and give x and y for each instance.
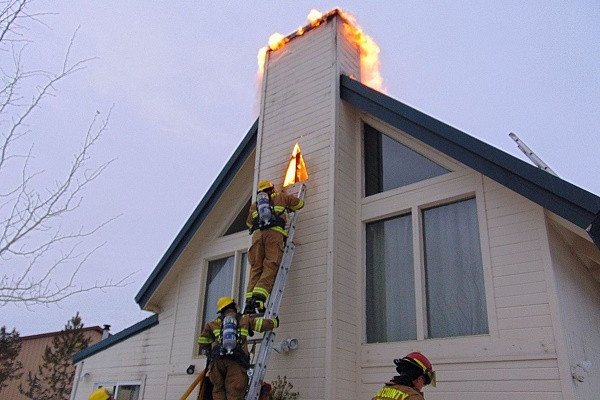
(266, 221)
(100, 394)
(415, 371)
(224, 341)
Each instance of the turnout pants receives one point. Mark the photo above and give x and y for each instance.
(265, 256)
(229, 380)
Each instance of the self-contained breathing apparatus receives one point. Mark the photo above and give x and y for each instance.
(229, 345)
(267, 218)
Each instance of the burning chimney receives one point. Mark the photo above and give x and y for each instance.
(300, 103)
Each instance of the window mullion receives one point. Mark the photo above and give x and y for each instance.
(420, 305)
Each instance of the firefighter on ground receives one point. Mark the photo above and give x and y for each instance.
(224, 341)
(414, 372)
(266, 221)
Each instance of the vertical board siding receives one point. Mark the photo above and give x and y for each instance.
(578, 303)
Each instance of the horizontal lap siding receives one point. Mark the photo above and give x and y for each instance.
(298, 107)
(516, 232)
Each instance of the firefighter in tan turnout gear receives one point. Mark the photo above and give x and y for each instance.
(266, 221)
(414, 372)
(224, 341)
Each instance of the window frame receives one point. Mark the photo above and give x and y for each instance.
(461, 183)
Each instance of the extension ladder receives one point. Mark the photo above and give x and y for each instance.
(260, 367)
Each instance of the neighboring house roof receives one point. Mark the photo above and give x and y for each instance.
(551, 192)
(43, 335)
(211, 198)
(116, 338)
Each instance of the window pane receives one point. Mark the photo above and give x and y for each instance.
(389, 164)
(454, 272)
(218, 284)
(243, 281)
(128, 392)
(390, 284)
(239, 224)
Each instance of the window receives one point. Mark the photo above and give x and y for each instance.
(390, 281)
(239, 223)
(390, 164)
(452, 272)
(123, 391)
(220, 282)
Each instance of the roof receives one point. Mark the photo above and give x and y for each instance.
(116, 338)
(43, 335)
(551, 192)
(211, 198)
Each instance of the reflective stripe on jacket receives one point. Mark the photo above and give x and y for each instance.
(393, 391)
(281, 203)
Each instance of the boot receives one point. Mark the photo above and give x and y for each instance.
(260, 303)
(250, 306)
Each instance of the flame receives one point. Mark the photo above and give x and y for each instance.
(296, 171)
(370, 74)
(315, 17)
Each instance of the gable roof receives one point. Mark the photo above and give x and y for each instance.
(211, 197)
(551, 192)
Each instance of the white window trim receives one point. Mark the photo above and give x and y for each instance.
(460, 184)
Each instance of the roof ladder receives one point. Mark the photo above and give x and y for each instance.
(272, 310)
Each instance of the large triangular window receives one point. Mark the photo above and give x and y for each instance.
(239, 223)
(389, 164)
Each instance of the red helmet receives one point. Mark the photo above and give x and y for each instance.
(419, 360)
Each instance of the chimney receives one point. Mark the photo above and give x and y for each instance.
(300, 102)
(105, 331)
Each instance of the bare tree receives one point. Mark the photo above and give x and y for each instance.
(43, 258)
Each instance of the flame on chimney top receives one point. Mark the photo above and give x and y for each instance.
(369, 50)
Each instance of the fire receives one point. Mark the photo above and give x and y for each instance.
(314, 17)
(296, 171)
(368, 49)
(370, 74)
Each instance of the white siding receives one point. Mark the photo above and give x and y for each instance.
(578, 303)
(298, 106)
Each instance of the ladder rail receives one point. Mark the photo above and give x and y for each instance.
(272, 308)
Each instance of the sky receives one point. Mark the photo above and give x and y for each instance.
(180, 77)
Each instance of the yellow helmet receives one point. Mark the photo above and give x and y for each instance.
(224, 302)
(99, 394)
(264, 185)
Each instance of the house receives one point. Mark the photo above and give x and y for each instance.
(415, 236)
(31, 357)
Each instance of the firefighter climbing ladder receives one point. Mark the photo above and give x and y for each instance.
(272, 309)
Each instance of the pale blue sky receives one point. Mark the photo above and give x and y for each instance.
(181, 76)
